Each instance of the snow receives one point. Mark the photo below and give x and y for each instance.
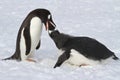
(99, 19)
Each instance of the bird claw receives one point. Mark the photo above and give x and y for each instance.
(84, 65)
(31, 60)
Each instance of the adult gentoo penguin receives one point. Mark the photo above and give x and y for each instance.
(28, 39)
(80, 51)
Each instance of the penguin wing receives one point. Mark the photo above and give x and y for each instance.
(38, 46)
(62, 58)
(27, 37)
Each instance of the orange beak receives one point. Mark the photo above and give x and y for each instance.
(46, 26)
(49, 25)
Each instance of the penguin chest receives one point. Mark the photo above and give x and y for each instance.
(35, 31)
(78, 59)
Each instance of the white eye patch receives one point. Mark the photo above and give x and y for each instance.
(49, 16)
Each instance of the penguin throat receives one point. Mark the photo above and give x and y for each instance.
(50, 31)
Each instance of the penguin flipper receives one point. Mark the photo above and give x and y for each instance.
(62, 58)
(27, 39)
(38, 46)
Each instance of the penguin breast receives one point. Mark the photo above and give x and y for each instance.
(35, 31)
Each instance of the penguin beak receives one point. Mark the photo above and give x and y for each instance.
(49, 24)
(46, 25)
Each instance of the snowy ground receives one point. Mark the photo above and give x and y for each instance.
(99, 19)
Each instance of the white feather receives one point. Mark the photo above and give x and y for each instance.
(22, 46)
(35, 33)
(78, 59)
(49, 16)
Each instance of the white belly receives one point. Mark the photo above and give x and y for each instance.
(78, 59)
(35, 33)
(22, 46)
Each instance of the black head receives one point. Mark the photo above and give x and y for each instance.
(54, 34)
(45, 16)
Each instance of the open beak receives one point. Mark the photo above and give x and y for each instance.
(46, 25)
(50, 25)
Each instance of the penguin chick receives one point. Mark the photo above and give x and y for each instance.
(80, 51)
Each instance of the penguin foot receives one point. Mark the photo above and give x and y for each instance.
(31, 60)
(84, 65)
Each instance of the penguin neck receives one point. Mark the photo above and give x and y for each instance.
(52, 31)
(59, 38)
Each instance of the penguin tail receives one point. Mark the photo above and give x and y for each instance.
(13, 57)
(9, 58)
(115, 57)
